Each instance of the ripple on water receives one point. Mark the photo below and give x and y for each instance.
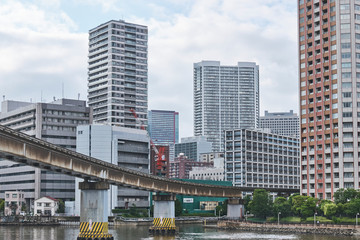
(242, 235)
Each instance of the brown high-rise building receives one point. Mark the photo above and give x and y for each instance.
(329, 59)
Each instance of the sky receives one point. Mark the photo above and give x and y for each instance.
(44, 47)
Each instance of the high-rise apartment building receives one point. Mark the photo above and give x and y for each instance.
(329, 51)
(117, 73)
(281, 123)
(225, 97)
(54, 122)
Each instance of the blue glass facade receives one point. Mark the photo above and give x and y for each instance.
(163, 126)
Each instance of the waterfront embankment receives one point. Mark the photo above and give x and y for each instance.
(323, 229)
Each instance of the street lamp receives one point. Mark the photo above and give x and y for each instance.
(279, 218)
(220, 212)
(247, 212)
(357, 219)
(315, 219)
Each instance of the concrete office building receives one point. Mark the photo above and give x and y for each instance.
(212, 156)
(122, 146)
(281, 123)
(193, 147)
(163, 128)
(215, 173)
(117, 73)
(255, 158)
(54, 122)
(329, 53)
(225, 97)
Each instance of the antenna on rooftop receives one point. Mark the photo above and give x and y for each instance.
(62, 89)
(78, 96)
(3, 97)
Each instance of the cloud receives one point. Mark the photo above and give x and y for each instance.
(39, 54)
(39, 49)
(228, 31)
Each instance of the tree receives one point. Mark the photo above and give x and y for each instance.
(329, 210)
(61, 207)
(247, 200)
(178, 208)
(2, 205)
(352, 208)
(261, 204)
(296, 203)
(282, 205)
(308, 208)
(345, 195)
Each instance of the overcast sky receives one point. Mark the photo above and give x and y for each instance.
(44, 43)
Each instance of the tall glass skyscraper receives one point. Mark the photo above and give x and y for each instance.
(225, 97)
(163, 126)
(164, 129)
(329, 61)
(117, 73)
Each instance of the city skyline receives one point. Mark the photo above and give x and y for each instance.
(47, 41)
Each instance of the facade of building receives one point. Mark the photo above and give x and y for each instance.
(46, 206)
(193, 147)
(182, 165)
(122, 146)
(201, 173)
(160, 167)
(194, 204)
(117, 73)
(14, 201)
(329, 53)
(163, 128)
(255, 158)
(54, 122)
(281, 123)
(225, 97)
(211, 156)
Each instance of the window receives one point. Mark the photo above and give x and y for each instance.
(344, 6)
(344, 16)
(346, 85)
(301, 11)
(345, 26)
(357, 16)
(38, 204)
(345, 55)
(301, 20)
(357, 7)
(347, 114)
(346, 94)
(346, 65)
(346, 75)
(345, 36)
(347, 104)
(347, 124)
(348, 134)
(345, 45)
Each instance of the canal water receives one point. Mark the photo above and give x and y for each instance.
(186, 232)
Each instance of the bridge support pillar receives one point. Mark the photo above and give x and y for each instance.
(235, 208)
(94, 211)
(164, 215)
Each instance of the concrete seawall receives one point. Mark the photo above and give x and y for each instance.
(344, 230)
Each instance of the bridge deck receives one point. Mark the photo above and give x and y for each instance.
(19, 147)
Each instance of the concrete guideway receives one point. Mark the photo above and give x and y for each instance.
(19, 147)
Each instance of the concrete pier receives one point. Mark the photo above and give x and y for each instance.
(164, 215)
(94, 211)
(235, 208)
